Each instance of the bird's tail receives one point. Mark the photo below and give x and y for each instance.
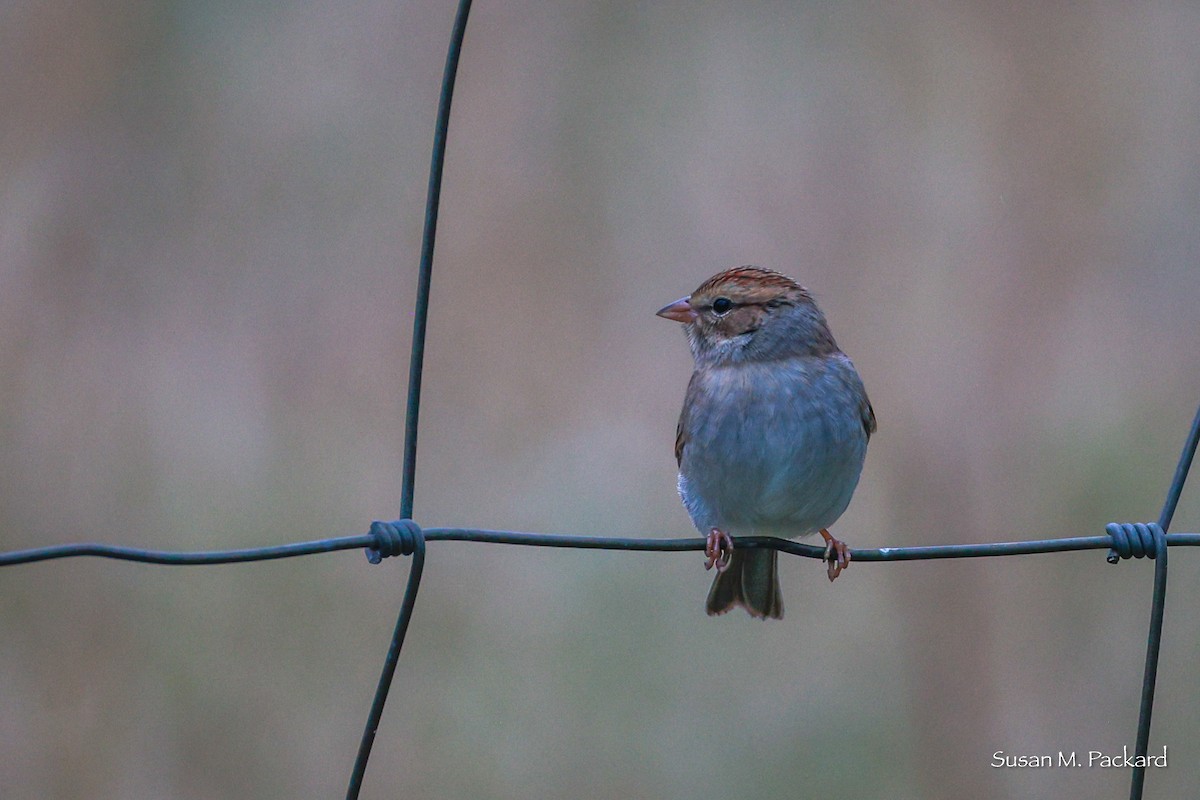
(752, 582)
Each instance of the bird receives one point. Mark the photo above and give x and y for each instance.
(773, 432)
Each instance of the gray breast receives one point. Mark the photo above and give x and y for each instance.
(779, 450)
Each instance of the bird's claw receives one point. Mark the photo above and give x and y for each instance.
(719, 550)
(837, 555)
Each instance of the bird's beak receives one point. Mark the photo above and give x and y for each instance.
(680, 311)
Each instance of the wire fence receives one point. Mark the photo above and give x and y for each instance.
(405, 537)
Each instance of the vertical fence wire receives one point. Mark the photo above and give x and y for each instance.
(1154, 639)
(421, 313)
(412, 412)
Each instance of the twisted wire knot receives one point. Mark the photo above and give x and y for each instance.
(1133, 540)
(399, 537)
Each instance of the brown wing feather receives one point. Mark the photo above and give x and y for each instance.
(868, 416)
(680, 435)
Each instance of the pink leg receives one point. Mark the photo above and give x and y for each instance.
(719, 550)
(837, 555)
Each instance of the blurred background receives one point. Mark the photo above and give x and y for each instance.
(210, 220)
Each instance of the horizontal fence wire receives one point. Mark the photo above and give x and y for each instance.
(647, 544)
(405, 537)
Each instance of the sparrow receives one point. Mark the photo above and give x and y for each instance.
(773, 432)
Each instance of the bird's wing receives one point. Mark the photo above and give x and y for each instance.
(681, 428)
(868, 416)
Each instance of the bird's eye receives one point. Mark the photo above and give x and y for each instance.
(722, 305)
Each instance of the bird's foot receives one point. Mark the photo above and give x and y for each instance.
(719, 550)
(837, 555)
